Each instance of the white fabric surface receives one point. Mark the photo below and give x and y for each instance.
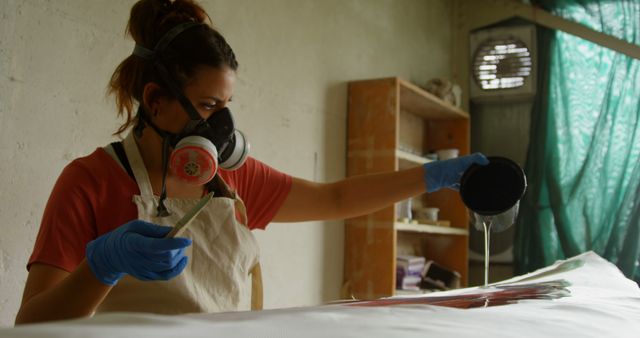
(603, 303)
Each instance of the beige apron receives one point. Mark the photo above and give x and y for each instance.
(223, 255)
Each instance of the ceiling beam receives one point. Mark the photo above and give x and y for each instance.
(504, 9)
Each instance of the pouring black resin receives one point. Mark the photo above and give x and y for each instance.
(493, 193)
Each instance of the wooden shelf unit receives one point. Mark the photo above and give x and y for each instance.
(377, 109)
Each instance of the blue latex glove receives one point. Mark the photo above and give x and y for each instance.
(139, 249)
(447, 173)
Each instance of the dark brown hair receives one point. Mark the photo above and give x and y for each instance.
(198, 46)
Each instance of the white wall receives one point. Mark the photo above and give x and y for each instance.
(291, 98)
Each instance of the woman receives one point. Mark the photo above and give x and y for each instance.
(101, 246)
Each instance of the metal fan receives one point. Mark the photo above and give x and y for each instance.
(503, 64)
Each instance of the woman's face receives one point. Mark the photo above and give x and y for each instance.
(209, 91)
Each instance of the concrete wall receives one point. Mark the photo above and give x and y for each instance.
(296, 58)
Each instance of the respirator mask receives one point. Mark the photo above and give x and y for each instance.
(203, 145)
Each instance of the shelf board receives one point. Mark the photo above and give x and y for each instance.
(420, 102)
(431, 229)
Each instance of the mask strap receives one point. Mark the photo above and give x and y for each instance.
(177, 92)
(156, 56)
(143, 120)
(143, 52)
(164, 41)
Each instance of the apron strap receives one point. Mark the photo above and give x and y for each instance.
(137, 165)
(256, 288)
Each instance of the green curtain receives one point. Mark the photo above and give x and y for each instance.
(583, 162)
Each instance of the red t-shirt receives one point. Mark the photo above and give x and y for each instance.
(93, 195)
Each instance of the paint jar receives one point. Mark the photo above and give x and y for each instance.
(493, 192)
(445, 154)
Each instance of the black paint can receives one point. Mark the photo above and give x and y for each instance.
(493, 191)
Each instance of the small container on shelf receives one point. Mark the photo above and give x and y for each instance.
(403, 211)
(445, 154)
(428, 214)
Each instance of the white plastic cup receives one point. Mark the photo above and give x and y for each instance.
(403, 209)
(445, 154)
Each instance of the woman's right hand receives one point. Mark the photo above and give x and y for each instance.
(447, 173)
(137, 248)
